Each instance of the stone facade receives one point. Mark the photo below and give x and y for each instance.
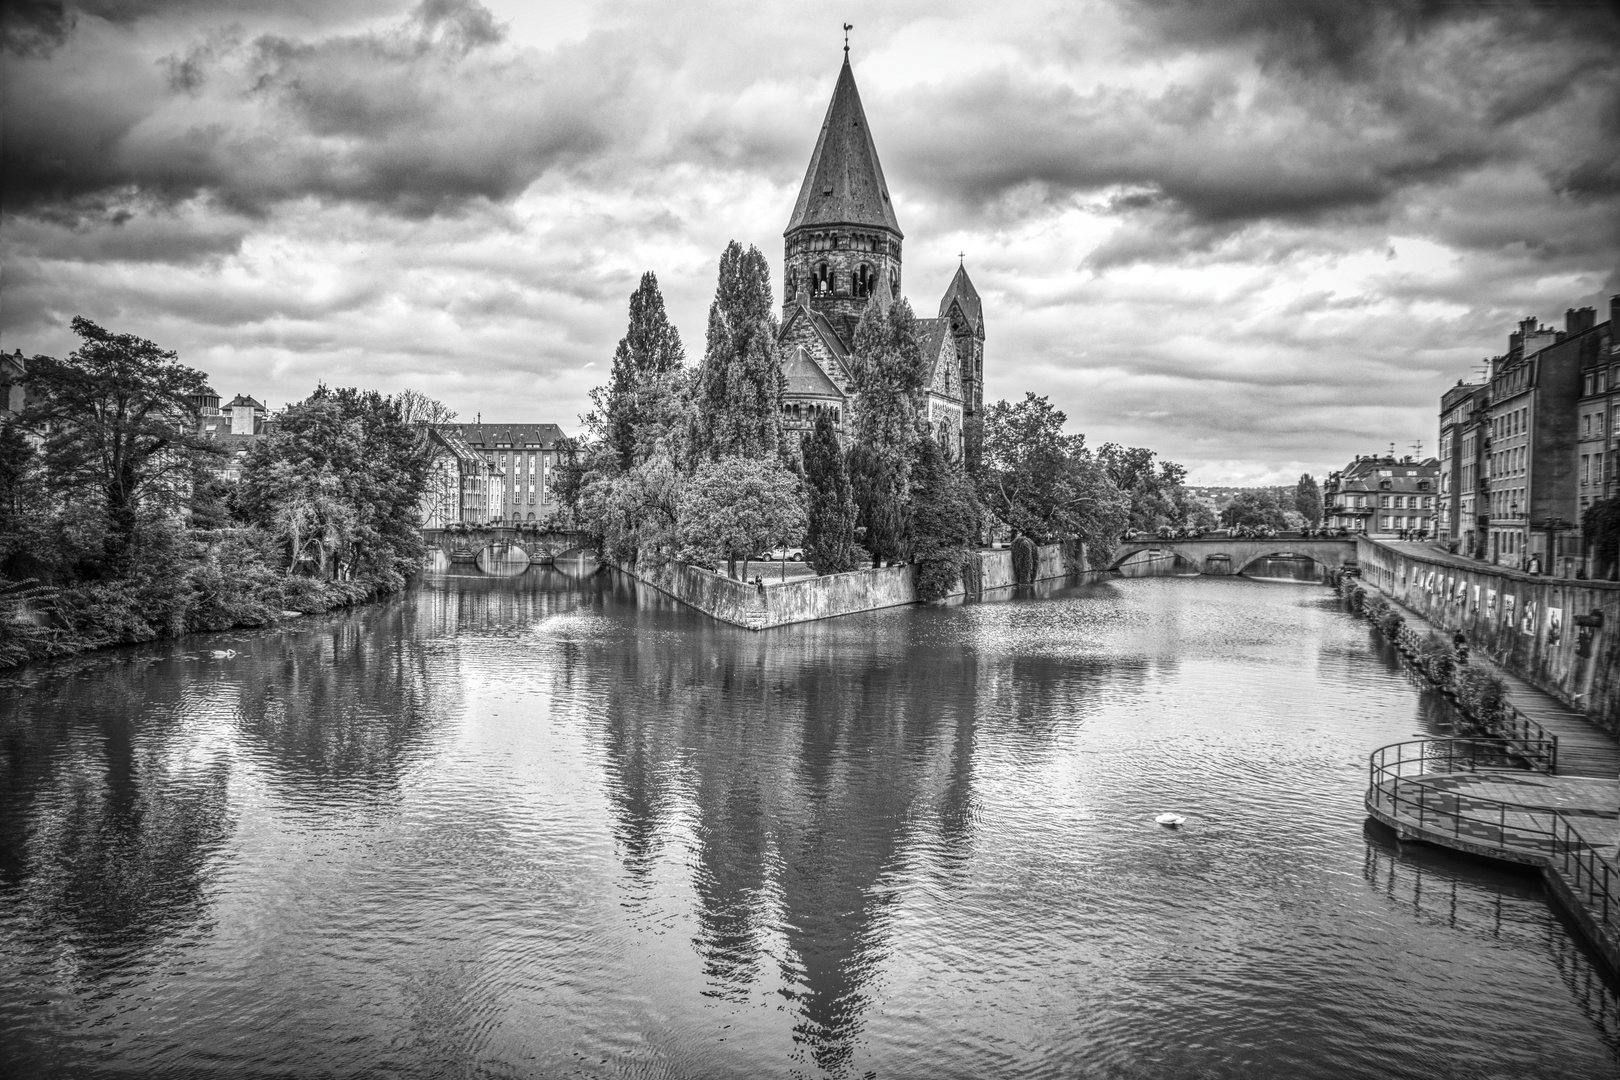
(842, 252)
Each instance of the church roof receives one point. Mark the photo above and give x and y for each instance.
(962, 291)
(931, 334)
(844, 183)
(803, 377)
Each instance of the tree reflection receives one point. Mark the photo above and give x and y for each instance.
(113, 807)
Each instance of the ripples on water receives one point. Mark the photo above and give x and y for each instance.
(541, 826)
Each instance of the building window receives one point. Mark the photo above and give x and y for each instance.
(863, 280)
(821, 280)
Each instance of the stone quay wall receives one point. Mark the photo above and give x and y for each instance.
(1561, 635)
(812, 598)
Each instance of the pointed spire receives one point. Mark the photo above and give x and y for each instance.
(961, 290)
(844, 184)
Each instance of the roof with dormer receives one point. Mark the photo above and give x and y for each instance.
(510, 436)
(961, 291)
(844, 184)
(243, 399)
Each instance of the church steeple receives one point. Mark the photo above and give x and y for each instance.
(843, 235)
(844, 184)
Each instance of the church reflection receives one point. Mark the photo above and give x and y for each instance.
(812, 764)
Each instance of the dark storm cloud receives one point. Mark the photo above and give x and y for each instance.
(418, 118)
(1351, 106)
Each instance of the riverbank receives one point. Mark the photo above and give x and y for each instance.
(223, 582)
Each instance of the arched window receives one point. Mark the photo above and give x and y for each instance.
(821, 280)
(863, 280)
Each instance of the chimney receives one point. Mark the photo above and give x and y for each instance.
(1614, 315)
(1577, 320)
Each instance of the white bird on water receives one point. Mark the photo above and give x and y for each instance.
(1172, 820)
(223, 654)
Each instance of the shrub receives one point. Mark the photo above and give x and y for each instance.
(1024, 559)
(1482, 694)
(1438, 659)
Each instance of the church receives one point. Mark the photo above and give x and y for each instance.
(842, 249)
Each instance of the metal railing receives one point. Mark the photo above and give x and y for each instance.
(1537, 745)
(1404, 785)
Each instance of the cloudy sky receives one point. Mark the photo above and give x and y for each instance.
(1258, 236)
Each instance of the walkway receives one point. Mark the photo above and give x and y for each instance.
(1465, 794)
(1584, 749)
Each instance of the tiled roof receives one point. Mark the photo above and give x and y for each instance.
(803, 377)
(931, 335)
(844, 184)
(241, 399)
(962, 291)
(486, 436)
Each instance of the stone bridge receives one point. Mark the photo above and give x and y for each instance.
(550, 544)
(1234, 554)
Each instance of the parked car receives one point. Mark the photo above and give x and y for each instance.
(792, 554)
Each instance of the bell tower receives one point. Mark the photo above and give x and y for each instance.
(843, 235)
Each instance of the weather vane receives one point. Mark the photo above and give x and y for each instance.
(847, 28)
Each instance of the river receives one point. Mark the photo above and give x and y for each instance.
(543, 826)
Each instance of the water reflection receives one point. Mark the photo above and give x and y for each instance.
(545, 825)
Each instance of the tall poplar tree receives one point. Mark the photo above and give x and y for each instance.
(890, 373)
(829, 541)
(651, 347)
(1308, 499)
(739, 384)
(944, 521)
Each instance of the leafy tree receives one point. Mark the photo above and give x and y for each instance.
(739, 384)
(119, 427)
(829, 541)
(1600, 526)
(651, 347)
(1156, 493)
(944, 522)
(1257, 509)
(1039, 481)
(736, 507)
(1308, 499)
(340, 478)
(634, 513)
(890, 373)
(568, 479)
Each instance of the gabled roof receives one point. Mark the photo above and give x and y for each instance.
(939, 351)
(962, 291)
(844, 184)
(517, 436)
(823, 328)
(241, 399)
(931, 334)
(803, 377)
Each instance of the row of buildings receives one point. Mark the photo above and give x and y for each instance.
(1384, 496)
(1526, 452)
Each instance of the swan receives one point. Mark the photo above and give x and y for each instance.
(1171, 820)
(223, 654)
